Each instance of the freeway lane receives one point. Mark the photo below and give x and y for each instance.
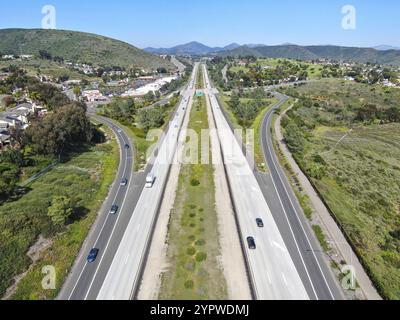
(299, 237)
(86, 280)
(124, 275)
(82, 273)
(272, 272)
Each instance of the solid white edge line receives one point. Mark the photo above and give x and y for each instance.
(301, 224)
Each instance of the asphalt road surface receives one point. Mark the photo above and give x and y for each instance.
(86, 280)
(123, 278)
(310, 260)
(272, 271)
(108, 228)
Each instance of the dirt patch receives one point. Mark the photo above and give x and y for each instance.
(157, 261)
(231, 259)
(34, 253)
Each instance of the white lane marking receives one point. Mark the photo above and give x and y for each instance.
(166, 140)
(105, 222)
(127, 258)
(277, 245)
(112, 232)
(284, 279)
(308, 240)
(269, 278)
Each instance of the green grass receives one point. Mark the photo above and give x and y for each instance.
(140, 143)
(321, 237)
(139, 139)
(258, 151)
(48, 68)
(80, 47)
(360, 181)
(85, 179)
(193, 249)
(256, 126)
(234, 121)
(200, 79)
(314, 71)
(237, 69)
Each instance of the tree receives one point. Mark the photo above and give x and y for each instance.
(393, 114)
(77, 91)
(149, 97)
(235, 101)
(35, 96)
(294, 138)
(153, 118)
(8, 101)
(60, 210)
(43, 54)
(61, 131)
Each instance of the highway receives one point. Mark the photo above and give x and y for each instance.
(312, 264)
(123, 278)
(80, 280)
(85, 280)
(272, 272)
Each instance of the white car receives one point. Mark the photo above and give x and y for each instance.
(150, 179)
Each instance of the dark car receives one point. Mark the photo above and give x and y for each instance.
(124, 182)
(114, 209)
(251, 243)
(93, 255)
(127, 146)
(260, 223)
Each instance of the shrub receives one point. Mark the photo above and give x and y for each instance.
(200, 242)
(194, 183)
(189, 284)
(201, 256)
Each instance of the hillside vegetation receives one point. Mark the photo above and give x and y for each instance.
(345, 137)
(79, 47)
(361, 55)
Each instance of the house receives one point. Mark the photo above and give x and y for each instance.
(10, 121)
(4, 139)
(92, 95)
(70, 83)
(26, 57)
(8, 57)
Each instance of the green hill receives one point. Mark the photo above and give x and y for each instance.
(362, 55)
(78, 47)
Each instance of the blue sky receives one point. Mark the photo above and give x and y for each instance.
(162, 23)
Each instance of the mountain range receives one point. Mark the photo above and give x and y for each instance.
(381, 54)
(79, 47)
(290, 51)
(191, 48)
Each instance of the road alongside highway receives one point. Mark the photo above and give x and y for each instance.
(124, 275)
(107, 226)
(86, 279)
(300, 239)
(272, 272)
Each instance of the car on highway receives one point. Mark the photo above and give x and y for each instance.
(260, 223)
(114, 209)
(127, 146)
(251, 243)
(150, 179)
(124, 182)
(92, 255)
(119, 131)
